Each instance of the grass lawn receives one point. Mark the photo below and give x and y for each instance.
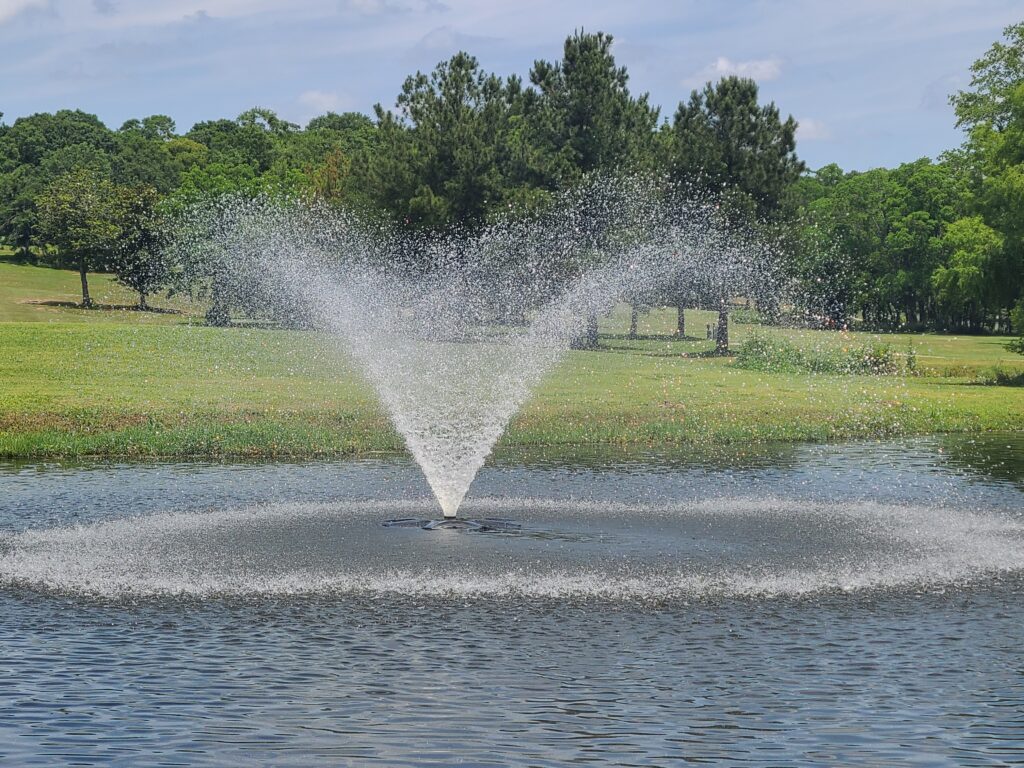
(41, 294)
(937, 354)
(121, 383)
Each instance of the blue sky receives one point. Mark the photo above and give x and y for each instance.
(868, 80)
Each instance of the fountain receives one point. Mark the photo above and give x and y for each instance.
(454, 331)
(649, 609)
(653, 610)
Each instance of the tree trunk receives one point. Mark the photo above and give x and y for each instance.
(588, 339)
(218, 314)
(143, 304)
(680, 322)
(722, 334)
(592, 331)
(86, 299)
(634, 318)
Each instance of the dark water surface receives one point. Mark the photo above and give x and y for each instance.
(814, 605)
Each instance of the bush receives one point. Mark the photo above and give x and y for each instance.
(761, 353)
(745, 316)
(910, 359)
(872, 358)
(956, 371)
(998, 376)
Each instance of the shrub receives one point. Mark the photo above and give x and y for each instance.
(956, 371)
(998, 376)
(744, 316)
(910, 359)
(762, 353)
(872, 358)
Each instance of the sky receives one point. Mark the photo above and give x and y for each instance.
(868, 80)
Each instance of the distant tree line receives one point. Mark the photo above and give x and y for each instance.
(930, 244)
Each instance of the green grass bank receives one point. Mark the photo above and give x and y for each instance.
(122, 384)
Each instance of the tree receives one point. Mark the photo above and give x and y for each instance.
(963, 286)
(822, 273)
(993, 114)
(725, 145)
(72, 157)
(34, 151)
(1001, 195)
(187, 154)
(249, 140)
(196, 208)
(582, 120)
(265, 120)
(993, 78)
(30, 139)
(439, 160)
(154, 127)
(585, 118)
(139, 258)
(1017, 321)
(871, 242)
(78, 214)
(352, 127)
(327, 161)
(325, 154)
(18, 215)
(329, 180)
(143, 157)
(214, 180)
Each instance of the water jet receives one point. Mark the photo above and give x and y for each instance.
(455, 330)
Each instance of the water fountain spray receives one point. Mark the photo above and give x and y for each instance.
(455, 330)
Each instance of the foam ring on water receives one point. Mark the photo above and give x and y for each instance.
(285, 550)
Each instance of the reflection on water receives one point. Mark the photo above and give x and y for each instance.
(987, 457)
(810, 605)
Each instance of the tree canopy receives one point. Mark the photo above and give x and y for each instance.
(928, 244)
(724, 141)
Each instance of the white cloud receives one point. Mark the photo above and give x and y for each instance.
(857, 68)
(370, 7)
(136, 13)
(440, 39)
(105, 7)
(809, 129)
(378, 7)
(445, 41)
(11, 8)
(760, 70)
(323, 101)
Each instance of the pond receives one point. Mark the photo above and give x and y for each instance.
(855, 604)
